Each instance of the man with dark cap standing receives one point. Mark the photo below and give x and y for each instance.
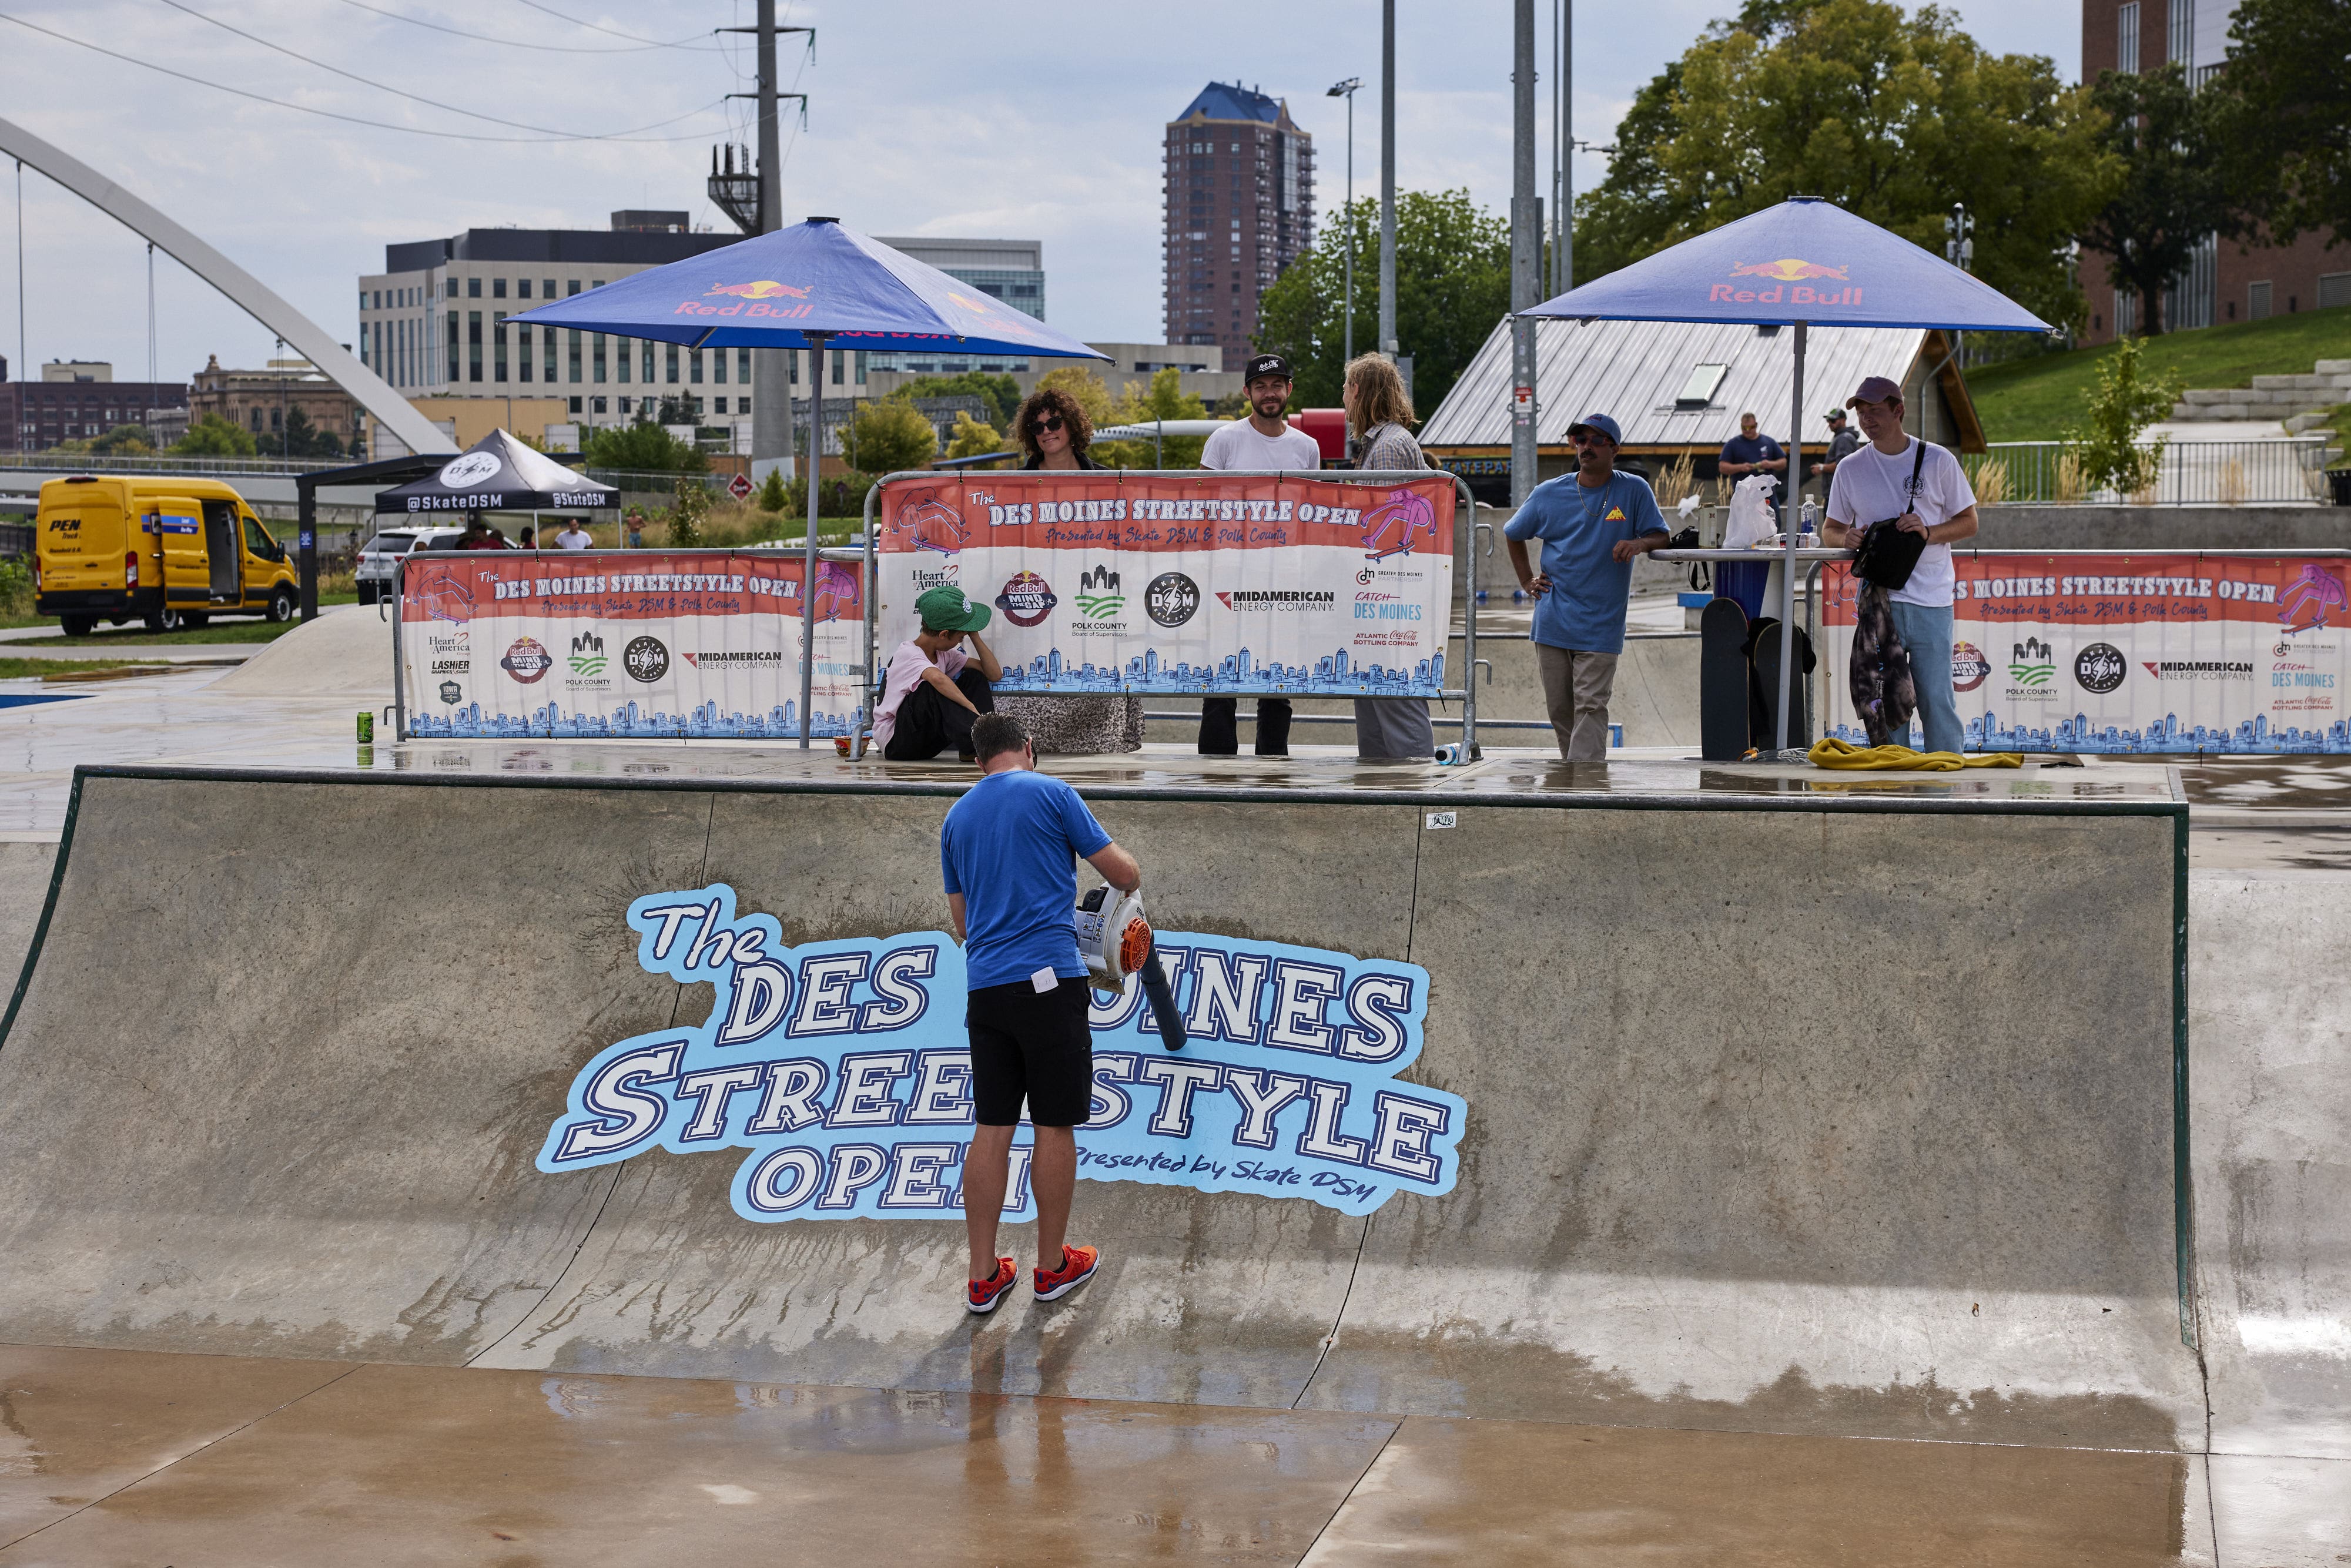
(1592, 522)
(1844, 442)
(1264, 442)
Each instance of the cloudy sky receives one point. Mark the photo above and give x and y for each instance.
(924, 117)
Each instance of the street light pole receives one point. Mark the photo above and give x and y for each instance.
(1526, 243)
(1563, 199)
(771, 414)
(1388, 344)
(1346, 89)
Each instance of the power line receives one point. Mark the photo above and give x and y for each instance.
(595, 28)
(517, 43)
(619, 136)
(352, 76)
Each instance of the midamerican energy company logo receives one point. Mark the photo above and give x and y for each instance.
(1291, 600)
(1098, 597)
(588, 655)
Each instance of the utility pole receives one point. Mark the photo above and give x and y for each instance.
(1563, 148)
(1388, 344)
(771, 385)
(1526, 247)
(1346, 89)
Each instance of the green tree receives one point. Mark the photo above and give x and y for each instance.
(1165, 399)
(891, 433)
(2282, 115)
(643, 447)
(1000, 393)
(1893, 116)
(213, 436)
(125, 441)
(774, 495)
(685, 514)
(2174, 190)
(971, 438)
(2128, 399)
(1453, 283)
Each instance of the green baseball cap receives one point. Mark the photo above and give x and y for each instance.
(945, 609)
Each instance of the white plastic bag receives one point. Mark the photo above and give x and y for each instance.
(1752, 521)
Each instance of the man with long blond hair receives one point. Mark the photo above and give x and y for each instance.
(1379, 411)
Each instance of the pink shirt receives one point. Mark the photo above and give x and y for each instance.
(906, 668)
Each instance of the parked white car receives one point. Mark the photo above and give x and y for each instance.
(380, 555)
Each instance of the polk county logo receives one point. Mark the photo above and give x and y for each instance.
(1027, 598)
(1790, 282)
(1098, 595)
(2033, 665)
(588, 655)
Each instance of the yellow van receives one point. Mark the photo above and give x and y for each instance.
(168, 552)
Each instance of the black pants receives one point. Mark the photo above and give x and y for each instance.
(1220, 731)
(928, 723)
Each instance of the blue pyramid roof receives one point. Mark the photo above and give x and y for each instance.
(1230, 100)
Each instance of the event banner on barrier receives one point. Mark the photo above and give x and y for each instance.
(1105, 582)
(842, 1071)
(636, 642)
(2135, 652)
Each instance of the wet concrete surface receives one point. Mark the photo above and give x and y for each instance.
(120, 1457)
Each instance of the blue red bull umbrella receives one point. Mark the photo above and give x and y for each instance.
(814, 286)
(813, 280)
(1801, 262)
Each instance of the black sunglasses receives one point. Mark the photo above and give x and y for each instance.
(1049, 422)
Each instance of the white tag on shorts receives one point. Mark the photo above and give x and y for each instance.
(1045, 979)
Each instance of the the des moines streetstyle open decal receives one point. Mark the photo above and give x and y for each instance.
(842, 1068)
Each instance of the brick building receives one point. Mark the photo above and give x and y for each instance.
(2226, 281)
(77, 400)
(262, 400)
(1239, 208)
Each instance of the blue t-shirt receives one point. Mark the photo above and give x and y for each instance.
(1761, 449)
(1010, 847)
(1578, 527)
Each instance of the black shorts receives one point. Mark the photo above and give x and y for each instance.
(1034, 1045)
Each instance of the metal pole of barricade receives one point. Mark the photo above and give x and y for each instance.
(1469, 626)
(399, 682)
(1788, 563)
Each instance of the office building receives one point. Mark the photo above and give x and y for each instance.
(2226, 280)
(1239, 190)
(76, 399)
(1012, 270)
(434, 323)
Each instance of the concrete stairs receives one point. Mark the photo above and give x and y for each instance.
(2296, 402)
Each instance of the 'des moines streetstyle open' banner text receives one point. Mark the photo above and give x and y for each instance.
(2135, 652)
(1103, 582)
(636, 642)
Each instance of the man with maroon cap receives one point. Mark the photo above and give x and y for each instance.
(1897, 481)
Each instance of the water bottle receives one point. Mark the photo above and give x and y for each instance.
(1453, 754)
(1808, 521)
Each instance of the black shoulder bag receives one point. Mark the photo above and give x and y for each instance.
(1886, 554)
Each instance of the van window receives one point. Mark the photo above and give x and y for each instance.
(258, 539)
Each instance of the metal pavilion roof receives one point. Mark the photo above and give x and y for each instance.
(1632, 370)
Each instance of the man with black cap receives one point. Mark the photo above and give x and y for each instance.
(1844, 442)
(1592, 522)
(1263, 441)
(933, 691)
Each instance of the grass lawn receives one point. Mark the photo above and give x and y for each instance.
(228, 629)
(2035, 399)
(63, 669)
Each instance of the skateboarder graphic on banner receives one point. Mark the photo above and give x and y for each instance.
(1592, 522)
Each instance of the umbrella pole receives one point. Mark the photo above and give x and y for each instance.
(1788, 561)
(808, 553)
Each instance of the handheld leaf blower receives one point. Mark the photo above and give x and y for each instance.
(1115, 940)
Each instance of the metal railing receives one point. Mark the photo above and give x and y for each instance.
(165, 462)
(2192, 473)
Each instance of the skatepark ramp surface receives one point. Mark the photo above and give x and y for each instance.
(345, 652)
(1781, 1114)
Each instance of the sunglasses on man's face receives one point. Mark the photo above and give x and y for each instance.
(1051, 422)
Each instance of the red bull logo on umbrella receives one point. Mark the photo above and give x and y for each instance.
(748, 300)
(1791, 282)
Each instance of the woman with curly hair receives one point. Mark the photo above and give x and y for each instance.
(1055, 433)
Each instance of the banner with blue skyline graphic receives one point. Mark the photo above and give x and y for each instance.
(2098, 652)
(1103, 582)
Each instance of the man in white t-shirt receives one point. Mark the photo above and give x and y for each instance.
(574, 535)
(1263, 441)
(1874, 487)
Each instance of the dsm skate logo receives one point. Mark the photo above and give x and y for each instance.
(646, 659)
(2099, 668)
(838, 1074)
(1171, 600)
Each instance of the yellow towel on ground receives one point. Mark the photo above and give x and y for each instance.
(1834, 753)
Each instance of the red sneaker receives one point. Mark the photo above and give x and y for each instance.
(1078, 1265)
(981, 1295)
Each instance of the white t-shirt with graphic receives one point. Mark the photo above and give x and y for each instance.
(1238, 446)
(1870, 486)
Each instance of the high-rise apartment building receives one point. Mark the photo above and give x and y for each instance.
(1240, 208)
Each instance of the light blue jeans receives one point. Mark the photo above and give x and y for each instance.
(1926, 631)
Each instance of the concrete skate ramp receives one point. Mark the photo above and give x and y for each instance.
(345, 652)
(262, 1095)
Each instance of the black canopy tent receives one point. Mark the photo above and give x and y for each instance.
(499, 474)
(395, 470)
